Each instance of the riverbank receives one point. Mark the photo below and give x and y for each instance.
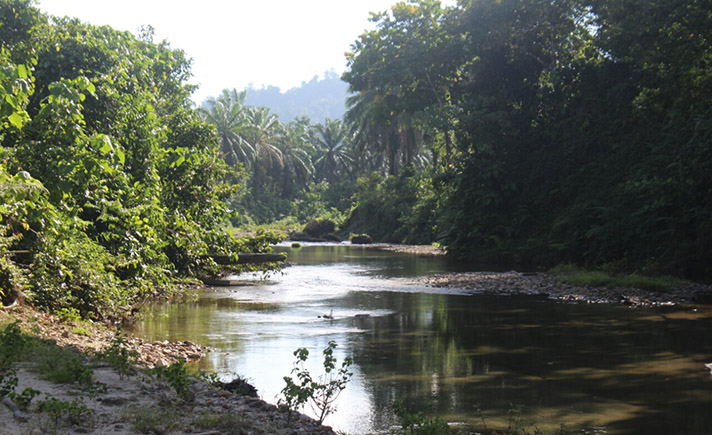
(108, 400)
(409, 249)
(551, 286)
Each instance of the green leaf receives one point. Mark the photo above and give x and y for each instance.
(22, 71)
(16, 119)
(121, 155)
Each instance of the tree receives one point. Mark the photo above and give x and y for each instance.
(296, 149)
(124, 186)
(333, 156)
(227, 112)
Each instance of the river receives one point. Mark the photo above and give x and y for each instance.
(471, 359)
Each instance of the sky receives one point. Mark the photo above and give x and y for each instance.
(239, 43)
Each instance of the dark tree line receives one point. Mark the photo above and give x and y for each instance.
(566, 131)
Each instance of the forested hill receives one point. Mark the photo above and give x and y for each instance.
(319, 98)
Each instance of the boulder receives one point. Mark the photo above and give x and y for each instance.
(319, 228)
(361, 239)
(331, 237)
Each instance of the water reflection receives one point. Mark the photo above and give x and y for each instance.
(629, 371)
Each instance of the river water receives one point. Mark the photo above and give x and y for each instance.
(473, 359)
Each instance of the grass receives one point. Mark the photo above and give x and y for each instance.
(225, 423)
(153, 419)
(59, 364)
(574, 275)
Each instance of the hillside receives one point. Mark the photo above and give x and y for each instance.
(318, 99)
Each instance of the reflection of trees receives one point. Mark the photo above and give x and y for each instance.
(573, 364)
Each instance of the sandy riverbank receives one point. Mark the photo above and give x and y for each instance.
(138, 403)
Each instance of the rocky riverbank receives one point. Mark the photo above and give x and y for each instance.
(410, 249)
(548, 285)
(139, 403)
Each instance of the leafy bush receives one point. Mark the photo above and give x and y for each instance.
(63, 412)
(118, 355)
(321, 393)
(177, 377)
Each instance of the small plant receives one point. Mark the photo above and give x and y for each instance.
(177, 377)
(210, 378)
(330, 384)
(24, 399)
(62, 411)
(8, 382)
(70, 370)
(70, 315)
(322, 393)
(12, 344)
(296, 394)
(418, 422)
(118, 355)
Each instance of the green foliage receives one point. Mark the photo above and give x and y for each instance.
(296, 394)
(176, 375)
(66, 413)
(111, 185)
(398, 209)
(118, 355)
(24, 399)
(231, 424)
(63, 369)
(12, 345)
(323, 392)
(418, 422)
(152, 419)
(576, 276)
(561, 132)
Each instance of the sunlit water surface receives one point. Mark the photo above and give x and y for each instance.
(469, 358)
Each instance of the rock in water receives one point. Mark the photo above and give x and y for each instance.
(361, 239)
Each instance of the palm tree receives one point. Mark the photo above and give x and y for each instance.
(296, 151)
(227, 113)
(333, 153)
(372, 132)
(264, 131)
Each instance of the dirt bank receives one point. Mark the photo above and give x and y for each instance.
(139, 403)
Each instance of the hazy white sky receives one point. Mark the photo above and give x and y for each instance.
(240, 42)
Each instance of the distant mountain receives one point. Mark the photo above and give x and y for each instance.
(318, 99)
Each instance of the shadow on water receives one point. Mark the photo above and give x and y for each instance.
(632, 371)
(589, 366)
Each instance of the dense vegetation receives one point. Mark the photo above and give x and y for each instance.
(575, 131)
(111, 185)
(520, 132)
